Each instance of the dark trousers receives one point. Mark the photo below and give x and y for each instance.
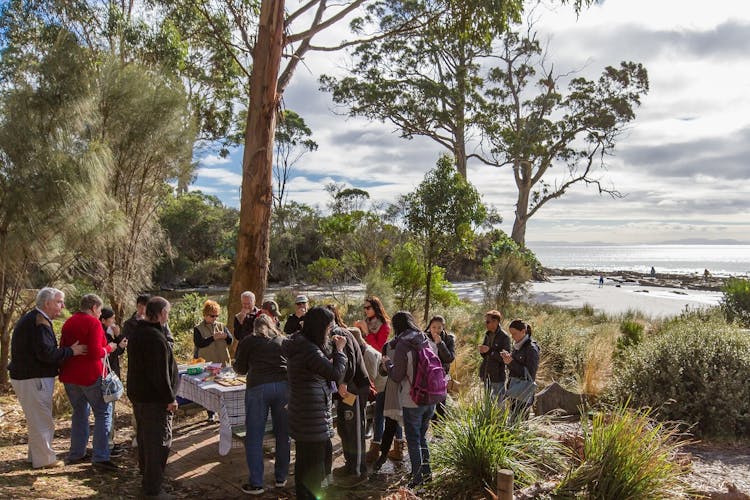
(309, 468)
(154, 435)
(391, 426)
(350, 423)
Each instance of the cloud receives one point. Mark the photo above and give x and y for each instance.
(211, 160)
(220, 176)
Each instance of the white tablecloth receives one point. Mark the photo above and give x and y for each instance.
(227, 402)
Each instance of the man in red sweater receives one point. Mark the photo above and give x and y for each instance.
(82, 376)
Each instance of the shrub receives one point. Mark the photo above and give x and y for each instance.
(505, 280)
(627, 455)
(700, 368)
(478, 437)
(185, 314)
(631, 335)
(736, 301)
(377, 284)
(210, 272)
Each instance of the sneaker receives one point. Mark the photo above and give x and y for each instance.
(253, 490)
(79, 460)
(281, 484)
(53, 465)
(350, 481)
(342, 471)
(106, 464)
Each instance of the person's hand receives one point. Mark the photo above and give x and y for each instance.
(79, 349)
(172, 407)
(123, 343)
(436, 337)
(361, 325)
(339, 341)
(115, 330)
(343, 390)
(484, 349)
(220, 335)
(112, 346)
(507, 358)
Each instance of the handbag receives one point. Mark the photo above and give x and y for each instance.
(521, 389)
(112, 388)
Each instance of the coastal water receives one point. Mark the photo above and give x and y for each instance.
(720, 260)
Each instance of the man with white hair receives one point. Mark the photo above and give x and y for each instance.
(243, 320)
(35, 360)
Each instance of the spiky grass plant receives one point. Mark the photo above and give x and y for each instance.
(627, 455)
(477, 437)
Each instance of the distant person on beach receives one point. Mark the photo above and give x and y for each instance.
(34, 363)
(601, 281)
(492, 370)
(706, 274)
(653, 271)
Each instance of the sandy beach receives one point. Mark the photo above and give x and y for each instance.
(615, 297)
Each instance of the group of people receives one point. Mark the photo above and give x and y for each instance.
(315, 367)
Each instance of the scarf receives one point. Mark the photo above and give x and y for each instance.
(373, 324)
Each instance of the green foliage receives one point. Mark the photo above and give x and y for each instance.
(326, 271)
(736, 300)
(632, 334)
(202, 234)
(378, 283)
(408, 276)
(627, 455)
(295, 241)
(696, 371)
(292, 140)
(186, 312)
(477, 438)
(441, 215)
(505, 280)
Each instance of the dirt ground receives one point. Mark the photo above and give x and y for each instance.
(197, 471)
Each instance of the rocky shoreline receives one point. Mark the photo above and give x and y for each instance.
(684, 281)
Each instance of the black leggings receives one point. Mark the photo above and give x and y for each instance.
(388, 434)
(309, 468)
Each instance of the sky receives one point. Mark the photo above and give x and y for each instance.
(682, 165)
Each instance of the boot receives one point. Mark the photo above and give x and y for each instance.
(373, 453)
(397, 452)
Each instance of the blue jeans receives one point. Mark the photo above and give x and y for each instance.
(272, 396)
(378, 424)
(81, 399)
(416, 423)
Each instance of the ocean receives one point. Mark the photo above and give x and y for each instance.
(720, 260)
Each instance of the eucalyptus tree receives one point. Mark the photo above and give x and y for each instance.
(553, 140)
(292, 141)
(52, 176)
(441, 214)
(264, 33)
(425, 82)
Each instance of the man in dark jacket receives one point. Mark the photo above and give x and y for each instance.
(492, 370)
(34, 364)
(353, 389)
(243, 320)
(152, 388)
(294, 321)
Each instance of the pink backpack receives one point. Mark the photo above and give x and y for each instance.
(428, 386)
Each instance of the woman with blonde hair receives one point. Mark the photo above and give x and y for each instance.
(259, 356)
(211, 337)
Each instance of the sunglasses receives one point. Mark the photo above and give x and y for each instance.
(213, 315)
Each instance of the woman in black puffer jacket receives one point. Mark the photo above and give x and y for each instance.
(310, 421)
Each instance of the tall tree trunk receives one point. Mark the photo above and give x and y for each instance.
(428, 293)
(522, 209)
(4, 349)
(251, 266)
